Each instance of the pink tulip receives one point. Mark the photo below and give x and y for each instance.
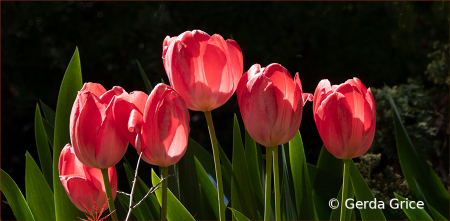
(271, 104)
(96, 139)
(84, 185)
(345, 117)
(159, 127)
(203, 69)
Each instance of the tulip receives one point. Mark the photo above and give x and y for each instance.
(203, 69)
(271, 105)
(97, 141)
(158, 128)
(345, 117)
(83, 184)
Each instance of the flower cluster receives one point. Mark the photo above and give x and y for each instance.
(204, 72)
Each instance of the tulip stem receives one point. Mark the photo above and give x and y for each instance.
(276, 186)
(164, 172)
(268, 189)
(217, 166)
(109, 196)
(344, 189)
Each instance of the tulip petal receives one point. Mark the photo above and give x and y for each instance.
(106, 97)
(235, 60)
(258, 110)
(88, 124)
(111, 143)
(94, 88)
(134, 126)
(69, 164)
(81, 191)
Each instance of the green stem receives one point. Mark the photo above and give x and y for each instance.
(164, 172)
(276, 174)
(268, 189)
(344, 189)
(217, 166)
(108, 193)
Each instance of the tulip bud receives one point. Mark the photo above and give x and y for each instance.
(84, 185)
(271, 104)
(159, 127)
(345, 117)
(203, 69)
(97, 141)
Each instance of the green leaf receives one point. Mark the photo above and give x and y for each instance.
(327, 182)
(45, 157)
(287, 188)
(138, 195)
(15, 198)
(48, 113)
(238, 215)
(175, 210)
(188, 183)
(151, 200)
(415, 167)
(413, 214)
(251, 156)
(434, 213)
(242, 194)
(49, 130)
(227, 171)
(210, 191)
(147, 83)
(38, 192)
(204, 157)
(124, 202)
(302, 185)
(336, 213)
(71, 83)
(363, 193)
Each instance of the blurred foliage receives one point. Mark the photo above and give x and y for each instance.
(423, 104)
(378, 42)
(383, 184)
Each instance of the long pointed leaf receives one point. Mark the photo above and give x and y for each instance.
(415, 167)
(287, 191)
(251, 156)
(210, 191)
(238, 215)
(302, 185)
(15, 198)
(363, 193)
(242, 194)
(175, 210)
(48, 113)
(138, 194)
(38, 192)
(188, 183)
(71, 83)
(147, 83)
(49, 131)
(413, 214)
(45, 157)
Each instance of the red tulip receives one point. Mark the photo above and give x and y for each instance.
(96, 139)
(203, 69)
(160, 127)
(83, 184)
(271, 104)
(345, 117)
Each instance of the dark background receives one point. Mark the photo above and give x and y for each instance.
(382, 43)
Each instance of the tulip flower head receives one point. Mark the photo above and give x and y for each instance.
(96, 139)
(271, 104)
(84, 185)
(203, 69)
(159, 127)
(345, 117)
